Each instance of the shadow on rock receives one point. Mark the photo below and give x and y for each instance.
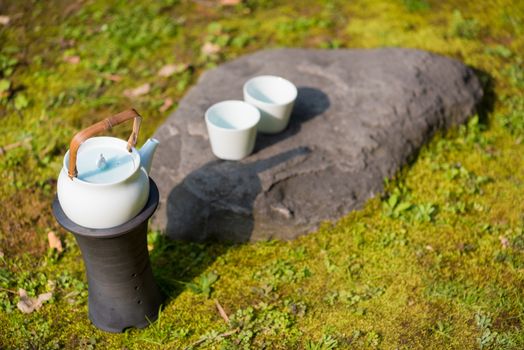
(216, 201)
(310, 103)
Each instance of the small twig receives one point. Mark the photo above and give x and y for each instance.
(71, 294)
(4, 149)
(221, 311)
(8, 290)
(203, 339)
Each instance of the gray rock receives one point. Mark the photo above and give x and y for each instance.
(360, 115)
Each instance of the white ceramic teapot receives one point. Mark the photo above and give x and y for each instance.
(104, 181)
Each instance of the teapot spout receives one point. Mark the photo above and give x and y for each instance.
(147, 151)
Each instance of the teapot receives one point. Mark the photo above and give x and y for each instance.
(104, 181)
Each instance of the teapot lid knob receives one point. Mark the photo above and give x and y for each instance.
(101, 163)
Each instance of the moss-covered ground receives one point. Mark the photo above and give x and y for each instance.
(437, 262)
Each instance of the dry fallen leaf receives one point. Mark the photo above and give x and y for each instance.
(138, 91)
(72, 59)
(5, 20)
(170, 69)
(221, 311)
(430, 248)
(54, 241)
(210, 49)
(113, 77)
(29, 304)
(26, 304)
(67, 43)
(504, 241)
(45, 297)
(168, 102)
(230, 2)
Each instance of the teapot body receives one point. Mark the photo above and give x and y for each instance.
(103, 206)
(104, 181)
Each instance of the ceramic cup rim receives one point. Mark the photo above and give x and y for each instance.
(290, 85)
(255, 113)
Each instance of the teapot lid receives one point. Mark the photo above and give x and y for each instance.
(105, 160)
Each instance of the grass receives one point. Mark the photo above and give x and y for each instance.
(435, 262)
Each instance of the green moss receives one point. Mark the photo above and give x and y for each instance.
(435, 263)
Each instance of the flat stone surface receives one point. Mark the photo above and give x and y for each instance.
(360, 115)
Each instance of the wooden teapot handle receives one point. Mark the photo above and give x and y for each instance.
(97, 128)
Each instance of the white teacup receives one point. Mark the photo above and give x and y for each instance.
(274, 97)
(232, 129)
